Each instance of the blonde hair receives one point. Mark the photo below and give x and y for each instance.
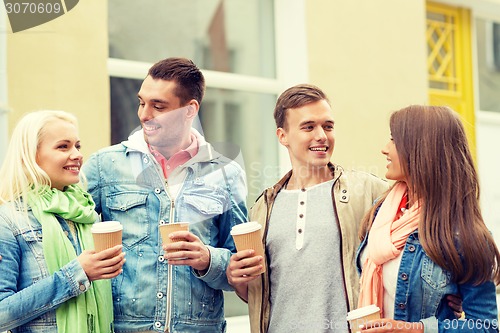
(20, 172)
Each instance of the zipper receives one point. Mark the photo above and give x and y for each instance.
(170, 268)
(159, 171)
(168, 304)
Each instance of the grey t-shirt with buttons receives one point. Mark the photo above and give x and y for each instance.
(303, 242)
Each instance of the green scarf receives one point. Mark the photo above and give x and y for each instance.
(92, 311)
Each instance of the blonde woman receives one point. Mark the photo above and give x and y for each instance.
(51, 280)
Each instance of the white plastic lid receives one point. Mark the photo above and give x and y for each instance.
(104, 227)
(361, 312)
(245, 228)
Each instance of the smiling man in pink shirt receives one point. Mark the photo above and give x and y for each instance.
(164, 173)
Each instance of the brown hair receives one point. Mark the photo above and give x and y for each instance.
(190, 80)
(436, 159)
(296, 97)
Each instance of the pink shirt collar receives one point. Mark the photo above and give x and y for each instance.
(179, 158)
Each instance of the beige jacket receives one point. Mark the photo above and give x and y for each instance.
(353, 194)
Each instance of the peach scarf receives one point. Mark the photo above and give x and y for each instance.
(386, 239)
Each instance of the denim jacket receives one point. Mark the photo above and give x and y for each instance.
(29, 295)
(127, 185)
(421, 289)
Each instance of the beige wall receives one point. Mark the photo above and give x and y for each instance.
(62, 65)
(370, 58)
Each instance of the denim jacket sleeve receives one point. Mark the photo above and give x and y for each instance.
(236, 213)
(480, 307)
(19, 306)
(92, 173)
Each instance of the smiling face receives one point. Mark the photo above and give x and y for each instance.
(308, 136)
(394, 169)
(58, 153)
(165, 122)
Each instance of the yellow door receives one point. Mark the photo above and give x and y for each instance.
(449, 62)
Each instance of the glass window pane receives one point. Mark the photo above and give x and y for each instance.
(124, 103)
(246, 120)
(234, 36)
(440, 45)
(488, 62)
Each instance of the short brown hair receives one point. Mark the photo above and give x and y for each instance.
(190, 80)
(296, 97)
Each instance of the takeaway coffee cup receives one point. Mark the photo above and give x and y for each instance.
(106, 234)
(362, 315)
(248, 236)
(167, 229)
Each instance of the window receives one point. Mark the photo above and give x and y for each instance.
(488, 124)
(488, 62)
(496, 45)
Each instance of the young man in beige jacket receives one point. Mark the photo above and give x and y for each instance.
(310, 227)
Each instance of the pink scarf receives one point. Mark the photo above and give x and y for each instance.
(386, 239)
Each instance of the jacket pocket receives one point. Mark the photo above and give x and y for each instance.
(130, 209)
(33, 239)
(33, 267)
(205, 206)
(434, 275)
(436, 282)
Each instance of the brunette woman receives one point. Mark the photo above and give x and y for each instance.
(426, 237)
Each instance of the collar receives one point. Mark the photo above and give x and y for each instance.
(336, 171)
(190, 151)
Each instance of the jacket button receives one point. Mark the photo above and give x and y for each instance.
(411, 248)
(159, 294)
(157, 190)
(161, 258)
(157, 324)
(344, 197)
(402, 306)
(404, 276)
(344, 191)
